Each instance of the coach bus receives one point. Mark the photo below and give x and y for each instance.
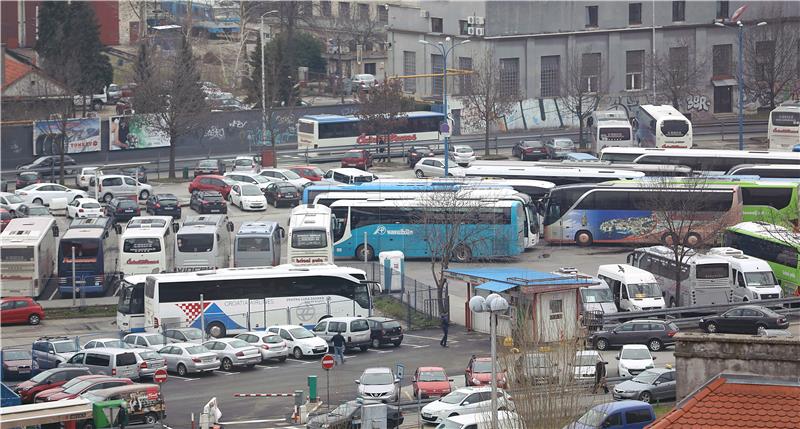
(27, 256)
(147, 246)
(609, 128)
(625, 213)
(204, 242)
(95, 256)
(701, 161)
(647, 169)
(534, 188)
(130, 306)
(257, 244)
(783, 128)
(662, 126)
(779, 246)
(766, 171)
(331, 131)
(555, 174)
(232, 300)
(310, 238)
(486, 229)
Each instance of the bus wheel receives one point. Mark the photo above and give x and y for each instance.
(669, 239)
(692, 240)
(462, 254)
(216, 330)
(584, 238)
(361, 251)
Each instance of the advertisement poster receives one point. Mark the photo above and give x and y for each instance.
(134, 132)
(82, 134)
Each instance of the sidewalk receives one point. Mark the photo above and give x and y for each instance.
(22, 335)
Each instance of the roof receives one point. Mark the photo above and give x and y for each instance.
(503, 279)
(13, 70)
(736, 401)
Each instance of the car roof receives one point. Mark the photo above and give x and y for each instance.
(611, 407)
(472, 389)
(485, 358)
(182, 345)
(648, 321)
(634, 346)
(379, 369)
(430, 368)
(380, 319)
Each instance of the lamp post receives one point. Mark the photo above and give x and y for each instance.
(445, 51)
(492, 304)
(740, 74)
(263, 79)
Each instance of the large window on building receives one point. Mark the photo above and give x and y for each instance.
(463, 27)
(509, 76)
(363, 11)
(465, 80)
(325, 7)
(765, 58)
(591, 16)
(634, 70)
(679, 63)
(437, 66)
(634, 13)
(590, 71)
(437, 25)
(383, 14)
(409, 68)
(550, 76)
(344, 9)
(678, 11)
(723, 9)
(722, 60)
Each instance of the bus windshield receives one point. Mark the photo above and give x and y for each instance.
(644, 290)
(16, 254)
(131, 299)
(614, 134)
(85, 251)
(252, 244)
(141, 245)
(196, 243)
(309, 239)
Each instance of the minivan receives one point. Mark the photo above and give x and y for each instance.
(115, 185)
(107, 361)
(355, 330)
(626, 414)
(144, 401)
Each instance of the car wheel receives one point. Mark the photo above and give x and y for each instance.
(655, 345)
(376, 343)
(645, 397)
(761, 329)
(34, 319)
(227, 364)
(182, 370)
(363, 348)
(37, 201)
(601, 344)
(365, 253)
(216, 330)
(144, 195)
(282, 359)
(151, 418)
(396, 343)
(107, 198)
(419, 174)
(297, 353)
(584, 238)
(711, 327)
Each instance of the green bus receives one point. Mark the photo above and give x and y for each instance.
(779, 246)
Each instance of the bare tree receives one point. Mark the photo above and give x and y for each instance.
(772, 63)
(383, 112)
(678, 74)
(583, 86)
(54, 131)
(488, 97)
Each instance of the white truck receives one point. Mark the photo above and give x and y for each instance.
(111, 94)
(752, 278)
(633, 289)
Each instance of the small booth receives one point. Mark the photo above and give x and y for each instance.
(67, 412)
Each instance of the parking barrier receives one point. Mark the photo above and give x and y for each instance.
(263, 395)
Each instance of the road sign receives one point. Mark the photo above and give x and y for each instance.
(327, 362)
(160, 376)
(399, 370)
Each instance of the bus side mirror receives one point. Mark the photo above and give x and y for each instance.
(55, 231)
(282, 232)
(175, 226)
(118, 228)
(230, 226)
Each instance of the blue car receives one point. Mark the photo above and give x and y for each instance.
(796, 148)
(18, 364)
(616, 415)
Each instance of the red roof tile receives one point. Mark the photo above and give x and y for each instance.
(727, 404)
(13, 70)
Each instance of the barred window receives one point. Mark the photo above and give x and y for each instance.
(383, 14)
(363, 11)
(679, 63)
(465, 80)
(344, 9)
(765, 57)
(325, 7)
(590, 72)
(550, 75)
(437, 66)
(722, 9)
(509, 76)
(722, 60)
(634, 70)
(409, 68)
(678, 11)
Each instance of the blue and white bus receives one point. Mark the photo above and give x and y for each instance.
(327, 131)
(494, 228)
(95, 260)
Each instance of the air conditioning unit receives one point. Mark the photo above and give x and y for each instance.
(479, 31)
(471, 20)
(471, 31)
(424, 13)
(478, 20)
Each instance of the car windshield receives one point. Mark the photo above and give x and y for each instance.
(168, 201)
(373, 378)
(38, 210)
(635, 354)
(432, 376)
(251, 191)
(536, 361)
(115, 343)
(593, 418)
(647, 377)
(237, 344)
(29, 176)
(463, 150)
(16, 355)
(481, 366)
(259, 178)
(592, 295)
(644, 290)
(66, 347)
(228, 182)
(316, 171)
(454, 398)
(209, 163)
(196, 350)
(760, 279)
(155, 339)
(291, 175)
(150, 355)
(38, 378)
(300, 333)
(563, 143)
(92, 397)
(345, 409)
(244, 162)
(13, 199)
(586, 360)
(78, 387)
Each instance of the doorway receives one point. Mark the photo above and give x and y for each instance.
(723, 99)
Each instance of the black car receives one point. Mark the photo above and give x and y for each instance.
(385, 331)
(656, 334)
(209, 166)
(282, 192)
(163, 205)
(31, 210)
(746, 319)
(208, 202)
(50, 166)
(138, 172)
(122, 209)
(25, 178)
(529, 149)
(348, 415)
(416, 153)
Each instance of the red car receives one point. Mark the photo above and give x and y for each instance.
(479, 372)
(45, 380)
(212, 182)
(430, 381)
(5, 219)
(20, 309)
(80, 385)
(310, 172)
(358, 158)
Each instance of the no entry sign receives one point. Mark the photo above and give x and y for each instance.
(327, 362)
(160, 376)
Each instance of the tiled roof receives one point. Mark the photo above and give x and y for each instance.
(728, 404)
(13, 70)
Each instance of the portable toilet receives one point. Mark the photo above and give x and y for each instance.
(393, 263)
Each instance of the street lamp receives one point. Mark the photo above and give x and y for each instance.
(445, 52)
(740, 73)
(264, 80)
(492, 304)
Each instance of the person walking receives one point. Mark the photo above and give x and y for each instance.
(445, 321)
(338, 347)
(600, 376)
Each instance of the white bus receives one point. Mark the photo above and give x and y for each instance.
(701, 161)
(704, 279)
(783, 129)
(130, 306)
(257, 244)
(242, 299)
(609, 128)
(27, 256)
(330, 131)
(555, 174)
(752, 278)
(647, 169)
(662, 126)
(310, 239)
(203, 243)
(147, 246)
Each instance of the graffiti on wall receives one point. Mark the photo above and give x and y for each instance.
(697, 103)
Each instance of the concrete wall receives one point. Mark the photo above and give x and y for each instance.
(699, 357)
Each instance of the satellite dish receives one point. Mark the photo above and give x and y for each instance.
(477, 304)
(498, 305)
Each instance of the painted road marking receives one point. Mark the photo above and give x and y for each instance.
(183, 378)
(300, 361)
(430, 338)
(244, 422)
(54, 294)
(225, 372)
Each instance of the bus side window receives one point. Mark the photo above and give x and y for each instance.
(740, 279)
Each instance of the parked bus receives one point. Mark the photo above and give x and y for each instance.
(203, 243)
(624, 213)
(147, 246)
(703, 279)
(96, 252)
(779, 246)
(27, 256)
(647, 169)
(766, 171)
(130, 306)
(331, 131)
(364, 228)
(257, 244)
(752, 278)
(705, 161)
(555, 174)
(783, 128)
(310, 238)
(242, 299)
(633, 289)
(609, 128)
(661, 126)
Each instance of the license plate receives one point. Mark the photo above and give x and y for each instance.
(24, 370)
(129, 211)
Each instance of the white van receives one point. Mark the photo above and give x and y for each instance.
(598, 299)
(107, 187)
(505, 420)
(348, 176)
(356, 331)
(107, 361)
(634, 289)
(752, 278)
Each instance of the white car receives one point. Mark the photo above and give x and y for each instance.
(247, 197)
(272, 346)
(287, 175)
(251, 178)
(463, 155)
(300, 341)
(584, 365)
(146, 341)
(378, 384)
(364, 81)
(244, 164)
(10, 202)
(633, 359)
(434, 167)
(85, 177)
(118, 186)
(106, 342)
(44, 193)
(467, 400)
(84, 207)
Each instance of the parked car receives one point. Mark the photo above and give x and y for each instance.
(31, 210)
(150, 341)
(108, 361)
(653, 385)
(138, 172)
(378, 384)
(10, 201)
(26, 178)
(348, 415)
(529, 149)
(581, 157)
(247, 197)
(245, 164)
(185, 358)
(233, 352)
(212, 182)
(559, 147)
(117, 185)
(430, 381)
(463, 155)
(434, 167)
(43, 193)
(583, 367)
(50, 352)
(229, 105)
(5, 219)
(745, 319)
(148, 362)
(415, 153)
(657, 334)
(357, 158)
(271, 346)
(122, 209)
(479, 372)
(364, 81)
(184, 335)
(633, 359)
(80, 385)
(250, 178)
(385, 331)
(278, 193)
(106, 342)
(18, 364)
(45, 380)
(627, 414)
(208, 202)
(348, 176)
(533, 368)
(355, 331)
(85, 176)
(163, 205)
(301, 341)
(84, 207)
(20, 309)
(310, 172)
(466, 400)
(287, 175)
(50, 166)
(209, 167)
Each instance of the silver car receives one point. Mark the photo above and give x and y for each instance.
(379, 384)
(147, 341)
(272, 346)
(463, 155)
(106, 342)
(434, 167)
(234, 352)
(652, 385)
(149, 361)
(183, 358)
(184, 335)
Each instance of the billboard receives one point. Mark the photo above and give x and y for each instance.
(82, 134)
(134, 132)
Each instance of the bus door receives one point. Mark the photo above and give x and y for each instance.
(257, 311)
(275, 245)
